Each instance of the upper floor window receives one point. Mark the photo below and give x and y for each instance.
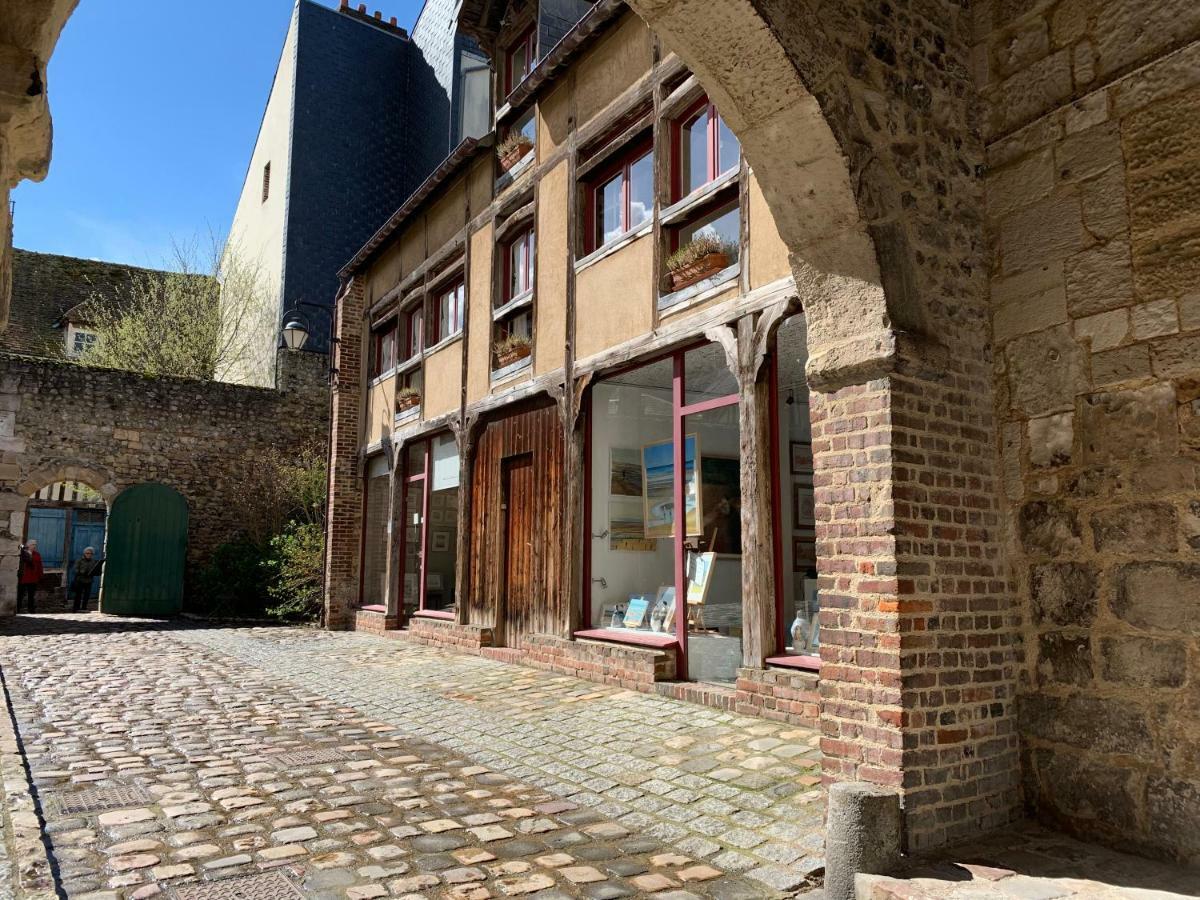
(450, 312)
(383, 349)
(519, 60)
(621, 197)
(518, 267)
(266, 185)
(79, 341)
(705, 148)
(519, 139)
(414, 333)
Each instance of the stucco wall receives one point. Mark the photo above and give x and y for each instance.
(479, 312)
(614, 298)
(768, 253)
(115, 429)
(443, 381)
(613, 66)
(380, 412)
(552, 218)
(1092, 205)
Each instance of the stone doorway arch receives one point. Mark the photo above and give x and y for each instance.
(856, 120)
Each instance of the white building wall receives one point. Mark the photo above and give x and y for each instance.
(257, 233)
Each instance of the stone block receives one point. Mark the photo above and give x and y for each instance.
(1136, 528)
(1138, 423)
(1087, 113)
(1189, 312)
(1042, 306)
(1176, 357)
(1029, 92)
(1103, 331)
(1090, 152)
(1083, 788)
(1190, 524)
(1144, 662)
(1048, 230)
(1100, 725)
(1046, 371)
(1064, 593)
(1158, 318)
(1159, 596)
(1105, 207)
(1051, 440)
(1019, 184)
(1122, 366)
(1173, 809)
(1049, 528)
(1099, 279)
(1065, 658)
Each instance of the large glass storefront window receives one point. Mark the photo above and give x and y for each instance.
(796, 520)
(664, 438)
(430, 551)
(375, 532)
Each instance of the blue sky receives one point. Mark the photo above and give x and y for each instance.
(156, 105)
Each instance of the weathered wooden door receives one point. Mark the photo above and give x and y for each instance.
(87, 530)
(49, 528)
(517, 504)
(147, 545)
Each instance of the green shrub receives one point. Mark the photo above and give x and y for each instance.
(295, 569)
(234, 583)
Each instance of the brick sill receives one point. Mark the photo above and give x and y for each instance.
(372, 608)
(617, 636)
(433, 614)
(808, 663)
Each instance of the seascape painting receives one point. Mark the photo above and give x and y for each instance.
(658, 470)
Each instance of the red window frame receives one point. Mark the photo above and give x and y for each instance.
(622, 167)
(528, 41)
(713, 144)
(456, 291)
(526, 239)
(424, 477)
(379, 336)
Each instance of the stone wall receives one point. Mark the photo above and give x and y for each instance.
(112, 429)
(1093, 204)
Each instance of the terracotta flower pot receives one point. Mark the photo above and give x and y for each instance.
(699, 270)
(515, 155)
(404, 404)
(508, 357)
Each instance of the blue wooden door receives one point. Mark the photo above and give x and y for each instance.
(48, 527)
(87, 530)
(147, 545)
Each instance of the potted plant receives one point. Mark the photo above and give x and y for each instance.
(696, 260)
(511, 349)
(513, 149)
(407, 398)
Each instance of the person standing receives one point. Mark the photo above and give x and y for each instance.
(29, 575)
(86, 568)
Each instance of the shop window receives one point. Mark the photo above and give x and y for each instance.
(705, 148)
(796, 549)
(519, 60)
(620, 197)
(375, 532)
(658, 446)
(450, 313)
(430, 528)
(383, 349)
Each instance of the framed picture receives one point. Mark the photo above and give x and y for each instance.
(804, 512)
(624, 472)
(804, 553)
(635, 614)
(433, 581)
(440, 542)
(627, 525)
(658, 476)
(802, 457)
(437, 516)
(700, 577)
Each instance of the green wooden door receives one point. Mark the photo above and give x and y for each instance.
(147, 544)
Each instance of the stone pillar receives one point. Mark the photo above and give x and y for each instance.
(343, 543)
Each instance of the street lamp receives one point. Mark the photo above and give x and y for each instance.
(295, 335)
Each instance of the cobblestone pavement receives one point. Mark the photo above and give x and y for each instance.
(1031, 863)
(340, 765)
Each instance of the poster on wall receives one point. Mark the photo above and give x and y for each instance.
(626, 518)
(658, 473)
(721, 500)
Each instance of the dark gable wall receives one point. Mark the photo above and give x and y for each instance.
(350, 163)
(556, 18)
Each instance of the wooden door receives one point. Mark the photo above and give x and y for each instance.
(145, 553)
(519, 585)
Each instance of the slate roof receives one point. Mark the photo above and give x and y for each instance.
(47, 288)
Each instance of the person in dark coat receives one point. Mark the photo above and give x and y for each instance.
(29, 575)
(85, 570)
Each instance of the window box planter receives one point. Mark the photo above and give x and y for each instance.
(705, 266)
(407, 401)
(510, 355)
(512, 151)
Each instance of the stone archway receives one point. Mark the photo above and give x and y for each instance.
(856, 120)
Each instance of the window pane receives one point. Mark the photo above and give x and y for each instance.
(515, 267)
(415, 459)
(526, 126)
(375, 540)
(458, 311)
(415, 332)
(609, 209)
(633, 501)
(706, 375)
(693, 154)
(724, 224)
(729, 148)
(414, 497)
(641, 190)
(519, 63)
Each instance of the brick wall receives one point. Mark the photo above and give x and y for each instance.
(115, 429)
(1094, 210)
